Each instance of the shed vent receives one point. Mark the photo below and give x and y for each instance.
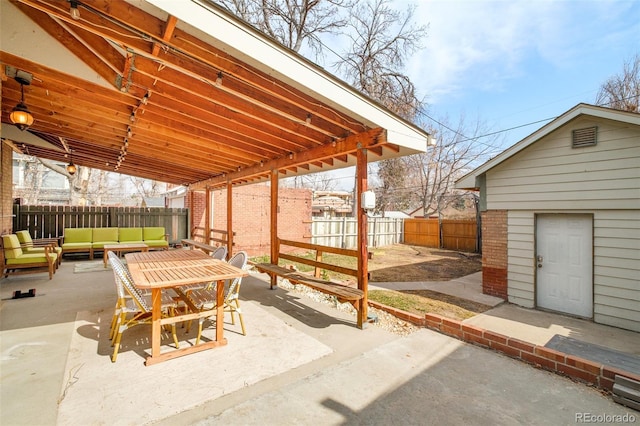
(584, 137)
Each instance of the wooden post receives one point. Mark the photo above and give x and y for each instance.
(229, 219)
(274, 224)
(207, 216)
(363, 252)
(191, 215)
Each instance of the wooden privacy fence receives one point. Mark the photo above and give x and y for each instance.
(461, 235)
(50, 221)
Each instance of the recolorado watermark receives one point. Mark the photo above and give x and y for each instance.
(605, 418)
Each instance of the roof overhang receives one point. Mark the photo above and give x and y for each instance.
(183, 92)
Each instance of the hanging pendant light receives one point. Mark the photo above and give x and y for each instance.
(20, 114)
(71, 168)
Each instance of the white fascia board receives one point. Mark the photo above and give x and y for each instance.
(21, 37)
(254, 48)
(469, 180)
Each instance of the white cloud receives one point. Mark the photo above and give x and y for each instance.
(482, 45)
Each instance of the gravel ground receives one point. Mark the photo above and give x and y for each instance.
(385, 320)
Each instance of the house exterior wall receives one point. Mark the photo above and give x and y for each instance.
(550, 174)
(6, 190)
(603, 180)
(494, 253)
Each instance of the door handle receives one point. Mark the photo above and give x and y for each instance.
(539, 259)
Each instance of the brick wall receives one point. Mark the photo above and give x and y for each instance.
(251, 215)
(586, 371)
(6, 188)
(494, 253)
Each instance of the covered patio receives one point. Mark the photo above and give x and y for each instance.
(184, 93)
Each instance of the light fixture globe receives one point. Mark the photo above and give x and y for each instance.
(21, 116)
(71, 168)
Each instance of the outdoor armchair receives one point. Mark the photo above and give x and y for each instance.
(132, 307)
(30, 245)
(206, 298)
(220, 253)
(17, 262)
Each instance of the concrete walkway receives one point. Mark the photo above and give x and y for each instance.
(368, 377)
(530, 325)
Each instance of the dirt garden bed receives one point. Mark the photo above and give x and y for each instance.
(406, 263)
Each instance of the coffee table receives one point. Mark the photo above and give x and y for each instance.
(122, 248)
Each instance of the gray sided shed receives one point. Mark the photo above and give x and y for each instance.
(561, 217)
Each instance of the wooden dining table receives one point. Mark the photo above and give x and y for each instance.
(171, 269)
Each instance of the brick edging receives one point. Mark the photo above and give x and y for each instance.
(583, 370)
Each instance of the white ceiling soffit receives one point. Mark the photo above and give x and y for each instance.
(17, 136)
(22, 38)
(236, 38)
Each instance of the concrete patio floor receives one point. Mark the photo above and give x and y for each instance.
(366, 376)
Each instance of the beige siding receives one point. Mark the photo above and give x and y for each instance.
(552, 175)
(520, 253)
(617, 268)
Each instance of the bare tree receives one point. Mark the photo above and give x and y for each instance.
(622, 91)
(432, 174)
(382, 39)
(293, 23)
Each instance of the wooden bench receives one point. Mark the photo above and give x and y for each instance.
(342, 292)
(197, 244)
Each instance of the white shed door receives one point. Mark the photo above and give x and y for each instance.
(564, 258)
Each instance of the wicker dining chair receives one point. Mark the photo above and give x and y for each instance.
(132, 307)
(206, 298)
(220, 253)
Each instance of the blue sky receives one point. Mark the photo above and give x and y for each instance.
(509, 63)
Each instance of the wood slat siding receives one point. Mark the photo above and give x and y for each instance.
(520, 254)
(617, 268)
(550, 174)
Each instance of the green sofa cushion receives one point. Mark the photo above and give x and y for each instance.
(105, 235)
(156, 243)
(76, 246)
(153, 233)
(11, 246)
(130, 235)
(78, 235)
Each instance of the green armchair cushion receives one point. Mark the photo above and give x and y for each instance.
(25, 238)
(11, 245)
(27, 244)
(28, 258)
(130, 235)
(102, 236)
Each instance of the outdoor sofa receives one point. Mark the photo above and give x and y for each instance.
(88, 240)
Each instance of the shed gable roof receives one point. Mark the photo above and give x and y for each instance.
(470, 180)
